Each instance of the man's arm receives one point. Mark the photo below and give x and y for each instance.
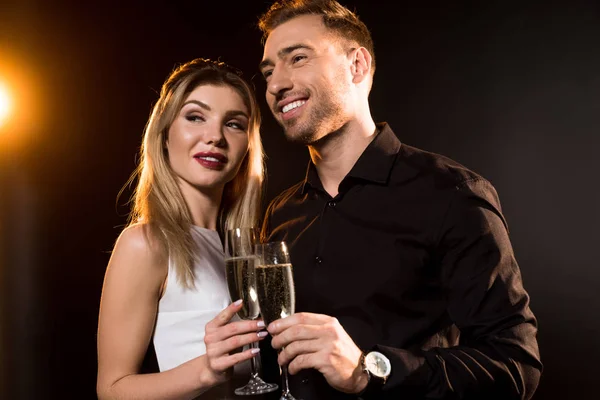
(497, 356)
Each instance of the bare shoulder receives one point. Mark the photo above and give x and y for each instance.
(140, 256)
(139, 241)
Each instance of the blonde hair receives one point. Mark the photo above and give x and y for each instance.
(157, 199)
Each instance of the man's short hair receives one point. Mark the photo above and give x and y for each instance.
(336, 18)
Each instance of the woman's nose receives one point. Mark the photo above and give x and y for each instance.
(214, 135)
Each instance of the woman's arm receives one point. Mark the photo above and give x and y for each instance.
(134, 278)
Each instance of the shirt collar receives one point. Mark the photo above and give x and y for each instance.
(374, 164)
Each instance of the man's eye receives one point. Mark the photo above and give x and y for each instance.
(267, 74)
(297, 58)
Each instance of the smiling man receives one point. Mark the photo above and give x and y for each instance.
(406, 282)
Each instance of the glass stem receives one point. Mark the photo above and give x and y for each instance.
(254, 364)
(285, 390)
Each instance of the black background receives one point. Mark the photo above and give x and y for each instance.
(509, 89)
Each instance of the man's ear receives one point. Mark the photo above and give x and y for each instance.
(361, 64)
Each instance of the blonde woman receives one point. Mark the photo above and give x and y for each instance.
(201, 172)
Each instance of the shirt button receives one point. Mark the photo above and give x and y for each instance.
(305, 381)
(318, 260)
(331, 203)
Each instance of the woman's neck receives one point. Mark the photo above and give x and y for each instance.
(203, 204)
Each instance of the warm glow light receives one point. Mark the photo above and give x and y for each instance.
(21, 117)
(5, 104)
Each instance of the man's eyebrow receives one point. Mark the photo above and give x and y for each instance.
(199, 103)
(282, 53)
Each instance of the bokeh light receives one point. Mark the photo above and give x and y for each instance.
(20, 118)
(5, 103)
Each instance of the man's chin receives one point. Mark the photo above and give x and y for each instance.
(302, 138)
(296, 133)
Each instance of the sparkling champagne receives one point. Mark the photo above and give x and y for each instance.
(276, 293)
(242, 285)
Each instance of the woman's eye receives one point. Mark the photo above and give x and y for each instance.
(194, 118)
(236, 125)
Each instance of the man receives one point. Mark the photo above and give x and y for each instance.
(406, 282)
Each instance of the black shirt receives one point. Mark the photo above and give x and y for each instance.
(414, 260)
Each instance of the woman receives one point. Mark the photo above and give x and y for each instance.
(201, 172)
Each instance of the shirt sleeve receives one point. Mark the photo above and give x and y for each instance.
(265, 231)
(497, 355)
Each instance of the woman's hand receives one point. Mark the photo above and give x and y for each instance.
(223, 337)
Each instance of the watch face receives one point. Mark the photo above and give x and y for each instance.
(378, 364)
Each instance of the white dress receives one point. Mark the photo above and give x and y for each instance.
(183, 313)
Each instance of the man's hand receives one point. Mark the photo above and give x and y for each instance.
(319, 341)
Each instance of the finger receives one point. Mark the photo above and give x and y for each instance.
(295, 349)
(303, 361)
(276, 327)
(221, 364)
(232, 329)
(225, 315)
(297, 332)
(229, 345)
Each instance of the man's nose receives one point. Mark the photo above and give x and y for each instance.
(279, 81)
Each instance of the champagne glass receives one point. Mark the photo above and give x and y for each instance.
(276, 292)
(239, 267)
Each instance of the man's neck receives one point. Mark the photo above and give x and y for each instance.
(335, 154)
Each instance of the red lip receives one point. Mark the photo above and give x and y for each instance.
(210, 160)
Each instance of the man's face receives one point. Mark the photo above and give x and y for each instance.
(309, 79)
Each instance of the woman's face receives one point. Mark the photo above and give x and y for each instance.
(208, 139)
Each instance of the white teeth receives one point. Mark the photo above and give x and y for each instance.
(293, 105)
(210, 159)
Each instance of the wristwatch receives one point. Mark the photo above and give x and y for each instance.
(378, 369)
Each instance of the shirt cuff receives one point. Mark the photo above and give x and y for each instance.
(410, 374)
